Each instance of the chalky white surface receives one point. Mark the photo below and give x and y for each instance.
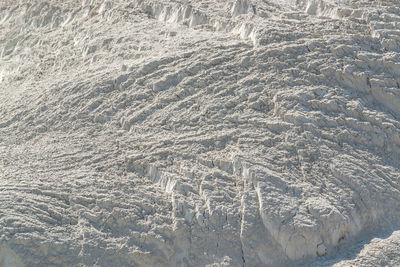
(199, 133)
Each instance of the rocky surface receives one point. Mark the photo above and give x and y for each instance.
(199, 133)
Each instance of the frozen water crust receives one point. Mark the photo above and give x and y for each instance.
(199, 133)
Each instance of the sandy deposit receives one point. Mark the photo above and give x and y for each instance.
(199, 133)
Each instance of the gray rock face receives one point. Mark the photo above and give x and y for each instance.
(199, 133)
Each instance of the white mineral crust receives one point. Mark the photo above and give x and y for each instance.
(199, 133)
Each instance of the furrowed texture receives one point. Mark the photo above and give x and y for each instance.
(199, 133)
